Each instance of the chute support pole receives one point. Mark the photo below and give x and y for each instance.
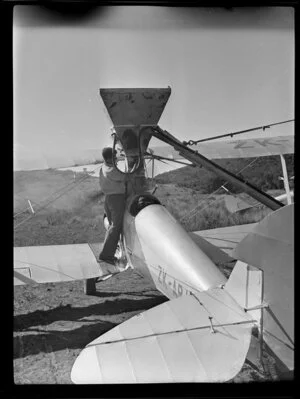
(285, 180)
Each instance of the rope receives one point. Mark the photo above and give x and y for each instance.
(61, 192)
(193, 142)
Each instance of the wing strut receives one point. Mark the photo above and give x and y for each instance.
(200, 160)
(285, 180)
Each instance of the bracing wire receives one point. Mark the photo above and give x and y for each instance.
(67, 189)
(23, 211)
(193, 142)
(51, 195)
(59, 193)
(26, 208)
(196, 208)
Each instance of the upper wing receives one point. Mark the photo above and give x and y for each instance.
(29, 160)
(56, 263)
(219, 244)
(172, 342)
(245, 148)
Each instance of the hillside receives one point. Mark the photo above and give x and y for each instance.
(70, 211)
(263, 172)
(67, 211)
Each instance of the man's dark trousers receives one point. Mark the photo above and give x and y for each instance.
(114, 206)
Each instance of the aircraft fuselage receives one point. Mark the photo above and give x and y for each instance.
(160, 249)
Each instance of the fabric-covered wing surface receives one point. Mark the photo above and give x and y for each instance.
(173, 342)
(244, 148)
(224, 238)
(28, 160)
(56, 263)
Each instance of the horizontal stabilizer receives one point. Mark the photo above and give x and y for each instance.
(57, 263)
(194, 338)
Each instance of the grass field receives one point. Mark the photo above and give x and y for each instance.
(263, 172)
(53, 322)
(71, 211)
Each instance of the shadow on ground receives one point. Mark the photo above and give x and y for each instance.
(56, 340)
(70, 313)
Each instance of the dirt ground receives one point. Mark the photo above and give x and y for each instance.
(53, 322)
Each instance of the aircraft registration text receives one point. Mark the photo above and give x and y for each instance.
(170, 283)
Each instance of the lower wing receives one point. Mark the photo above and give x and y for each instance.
(57, 263)
(236, 204)
(219, 244)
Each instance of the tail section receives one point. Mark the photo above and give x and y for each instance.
(269, 246)
(245, 285)
(202, 337)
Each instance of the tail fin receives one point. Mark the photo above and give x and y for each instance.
(270, 246)
(245, 286)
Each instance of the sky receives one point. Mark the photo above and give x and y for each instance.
(228, 70)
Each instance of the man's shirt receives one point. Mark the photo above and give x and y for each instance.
(111, 181)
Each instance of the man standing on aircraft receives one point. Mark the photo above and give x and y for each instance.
(112, 184)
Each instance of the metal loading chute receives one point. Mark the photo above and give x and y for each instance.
(133, 113)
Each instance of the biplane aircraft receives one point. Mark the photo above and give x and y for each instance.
(211, 324)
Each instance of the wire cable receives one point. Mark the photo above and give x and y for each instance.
(60, 193)
(194, 142)
(194, 210)
(27, 207)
